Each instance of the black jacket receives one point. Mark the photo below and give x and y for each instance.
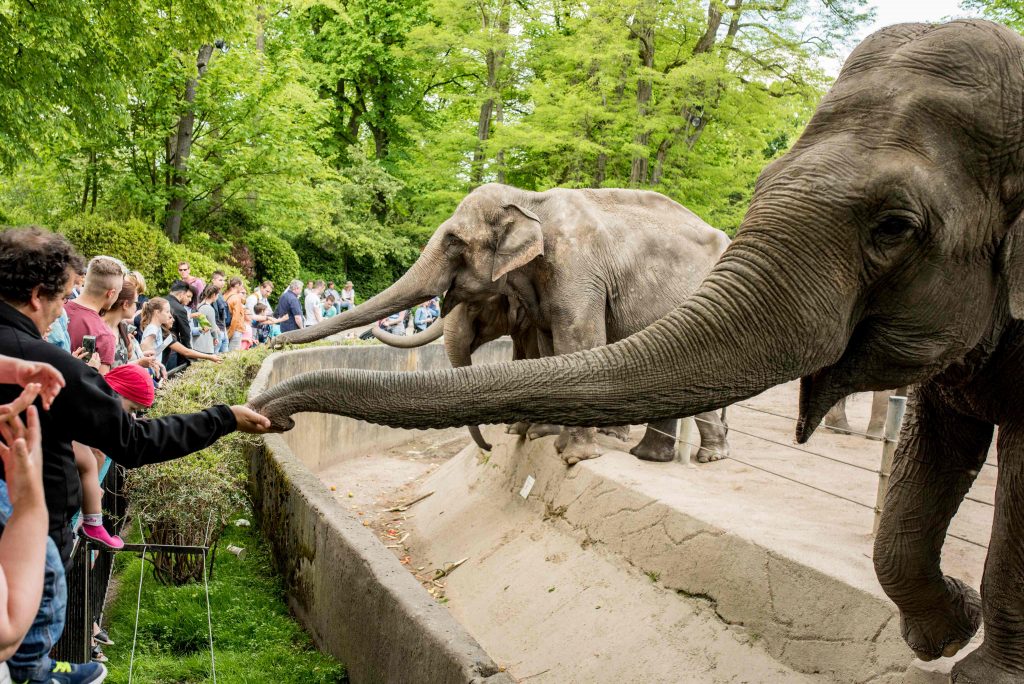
(89, 412)
(220, 306)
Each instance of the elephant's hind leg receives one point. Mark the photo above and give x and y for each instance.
(938, 458)
(1000, 658)
(659, 442)
(835, 419)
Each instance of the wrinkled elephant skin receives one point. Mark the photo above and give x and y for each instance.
(884, 249)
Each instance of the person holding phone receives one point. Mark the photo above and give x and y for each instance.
(36, 274)
(104, 279)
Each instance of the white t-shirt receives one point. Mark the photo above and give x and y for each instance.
(250, 302)
(348, 295)
(314, 312)
(156, 331)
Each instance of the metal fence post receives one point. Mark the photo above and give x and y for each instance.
(893, 421)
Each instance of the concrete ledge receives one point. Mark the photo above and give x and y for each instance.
(354, 597)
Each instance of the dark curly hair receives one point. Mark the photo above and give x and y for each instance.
(31, 257)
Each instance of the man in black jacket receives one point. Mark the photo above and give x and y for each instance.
(36, 274)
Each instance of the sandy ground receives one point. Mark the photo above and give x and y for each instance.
(771, 507)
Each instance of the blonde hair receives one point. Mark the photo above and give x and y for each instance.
(136, 279)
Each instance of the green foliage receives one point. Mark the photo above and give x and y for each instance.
(273, 259)
(1008, 12)
(138, 245)
(188, 500)
(255, 639)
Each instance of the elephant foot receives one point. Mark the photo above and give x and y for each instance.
(538, 430)
(519, 428)
(658, 453)
(619, 432)
(840, 426)
(712, 453)
(944, 630)
(577, 445)
(980, 668)
(875, 436)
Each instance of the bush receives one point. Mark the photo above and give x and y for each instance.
(188, 500)
(273, 258)
(140, 246)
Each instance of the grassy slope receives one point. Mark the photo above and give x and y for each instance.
(255, 639)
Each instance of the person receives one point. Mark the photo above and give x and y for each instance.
(196, 285)
(348, 297)
(139, 281)
(331, 292)
(264, 325)
(36, 269)
(76, 291)
(288, 307)
(58, 332)
(236, 304)
(180, 353)
(395, 323)
(223, 314)
(118, 318)
(24, 544)
(156, 322)
(426, 313)
(261, 295)
(330, 309)
(103, 281)
(208, 340)
(314, 310)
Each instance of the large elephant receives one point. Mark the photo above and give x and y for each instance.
(467, 327)
(886, 248)
(599, 266)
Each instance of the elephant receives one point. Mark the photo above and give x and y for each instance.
(467, 327)
(836, 421)
(584, 276)
(885, 248)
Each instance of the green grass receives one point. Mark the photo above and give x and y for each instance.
(255, 639)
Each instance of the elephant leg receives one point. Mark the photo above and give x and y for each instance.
(713, 443)
(519, 428)
(879, 409)
(937, 460)
(1000, 658)
(582, 326)
(835, 419)
(619, 432)
(659, 442)
(538, 430)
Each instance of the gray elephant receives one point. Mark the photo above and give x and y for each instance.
(600, 266)
(467, 327)
(836, 420)
(886, 248)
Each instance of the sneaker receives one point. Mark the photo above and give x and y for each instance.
(97, 654)
(99, 534)
(102, 637)
(73, 673)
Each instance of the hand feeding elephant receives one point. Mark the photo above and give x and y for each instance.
(468, 327)
(599, 266)
(885, 249)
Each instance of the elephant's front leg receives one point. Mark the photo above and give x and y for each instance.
(1000, 658)
(577, 326)
(713, 429)
(659, 442)
(939, 455)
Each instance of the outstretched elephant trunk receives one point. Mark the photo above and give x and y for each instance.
(433, 332)
(737, 336)
(428, 277)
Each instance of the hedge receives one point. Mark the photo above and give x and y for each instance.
(273, 258)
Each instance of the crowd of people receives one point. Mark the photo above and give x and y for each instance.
(81, 350)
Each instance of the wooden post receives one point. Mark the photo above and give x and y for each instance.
(891, 436)
(687, 432)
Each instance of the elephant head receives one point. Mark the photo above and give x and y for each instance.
(883, 249)
(492, 233)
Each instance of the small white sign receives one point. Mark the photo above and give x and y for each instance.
(527, 486)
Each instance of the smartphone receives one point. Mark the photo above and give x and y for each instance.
(89, 345)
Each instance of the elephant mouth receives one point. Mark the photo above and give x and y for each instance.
(818, 393)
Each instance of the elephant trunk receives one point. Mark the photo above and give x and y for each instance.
(458, 343)
(759, 319)
(433, 332)
(428, 277)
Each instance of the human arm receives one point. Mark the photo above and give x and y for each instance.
(21, 372)
(23, 543)
(192, 354)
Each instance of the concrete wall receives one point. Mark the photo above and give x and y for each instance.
(358, 602)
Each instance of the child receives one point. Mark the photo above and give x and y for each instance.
(156, 320)
(133, 384)
(329, 308)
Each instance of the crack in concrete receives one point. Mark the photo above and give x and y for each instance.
(711, 532)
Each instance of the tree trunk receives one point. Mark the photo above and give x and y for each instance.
(499, 158)
(495, 59)
(183, 148)
(644, 32)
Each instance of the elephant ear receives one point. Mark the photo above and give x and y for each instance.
(522, 242)
(1013, 267)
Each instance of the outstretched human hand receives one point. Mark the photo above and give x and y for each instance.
(22, 455)
(250, 421)
(24, 373)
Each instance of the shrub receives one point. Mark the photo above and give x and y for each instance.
(273, 258)
(139, 245)
(188, 500)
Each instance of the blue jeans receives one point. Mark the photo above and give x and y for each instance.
(222, 342)
(32, 661)
(345, 305)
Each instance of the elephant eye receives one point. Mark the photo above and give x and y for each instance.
(894, 227)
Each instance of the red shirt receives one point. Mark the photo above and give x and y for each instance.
(83, 321)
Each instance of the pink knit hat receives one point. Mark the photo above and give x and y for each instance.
(132, 382)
